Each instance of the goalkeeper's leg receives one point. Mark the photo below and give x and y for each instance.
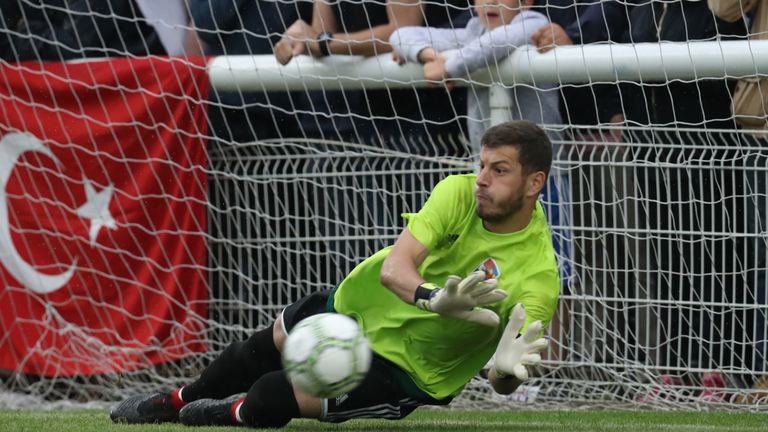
(233, 372)
(386, 392)
(272, 401)
(237, 368)
(243, 363)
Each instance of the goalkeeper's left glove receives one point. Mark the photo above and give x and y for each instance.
(515, 352)
(460, 299)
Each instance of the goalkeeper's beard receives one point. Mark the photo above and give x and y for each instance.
(495, 211)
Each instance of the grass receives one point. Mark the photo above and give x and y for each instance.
(421, 420)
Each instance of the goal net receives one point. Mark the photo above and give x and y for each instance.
(156, 209)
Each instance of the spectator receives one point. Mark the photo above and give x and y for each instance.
(379, 116)
(689, 198)
(576, 23)
(749, 106)
(749, 110)
(170, 19)
(599, 188)
(703, 103)
(232, 27)
(55, 30)
(495, 33)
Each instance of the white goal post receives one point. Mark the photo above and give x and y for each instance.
(564, 65)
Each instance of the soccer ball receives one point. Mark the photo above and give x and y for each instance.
(326, 355)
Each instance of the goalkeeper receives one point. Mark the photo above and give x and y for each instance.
(430, 330)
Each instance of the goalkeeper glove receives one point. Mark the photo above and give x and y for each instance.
(514, 351)
(459, 298)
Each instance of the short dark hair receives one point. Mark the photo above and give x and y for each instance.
(534, 150)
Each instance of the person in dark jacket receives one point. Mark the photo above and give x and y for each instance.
(577, 23)
(248, 27)
(56, 30)
(703, 103)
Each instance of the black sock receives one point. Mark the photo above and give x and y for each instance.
(236, 368)
(270, 402)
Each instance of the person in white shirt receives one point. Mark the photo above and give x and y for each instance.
(499, 27)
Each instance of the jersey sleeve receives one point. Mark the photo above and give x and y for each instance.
(410, 41)
(493, 46)
(445, 208)
(540, 300)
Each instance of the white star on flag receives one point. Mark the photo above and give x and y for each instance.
(96, 208)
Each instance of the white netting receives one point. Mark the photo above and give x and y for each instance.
(659, 222)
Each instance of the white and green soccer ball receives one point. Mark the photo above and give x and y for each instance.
(326, 355)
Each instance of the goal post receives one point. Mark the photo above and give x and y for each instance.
(576, 64)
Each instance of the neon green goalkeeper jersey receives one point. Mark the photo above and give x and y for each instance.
(442, 354)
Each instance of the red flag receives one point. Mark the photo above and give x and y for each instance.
(102, 215)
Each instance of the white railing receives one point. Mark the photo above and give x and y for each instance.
(569, 64)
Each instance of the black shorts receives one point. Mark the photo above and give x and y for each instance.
(386, 392)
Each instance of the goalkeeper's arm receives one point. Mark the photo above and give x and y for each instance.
(515, 352)
(459, 298)
(400, 270)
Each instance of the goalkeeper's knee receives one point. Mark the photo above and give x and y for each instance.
(237, 368)
(270, 402)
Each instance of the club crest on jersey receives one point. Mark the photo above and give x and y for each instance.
(490, 269)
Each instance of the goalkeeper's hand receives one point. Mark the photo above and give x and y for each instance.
(459, 298)
(515, 352)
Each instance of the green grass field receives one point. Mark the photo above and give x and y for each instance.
(421, 420)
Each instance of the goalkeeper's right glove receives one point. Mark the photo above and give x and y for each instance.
(516, 351)
(459, 299)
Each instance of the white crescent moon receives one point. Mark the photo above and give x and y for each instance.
(12, 146)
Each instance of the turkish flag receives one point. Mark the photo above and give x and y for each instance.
(102, 215)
